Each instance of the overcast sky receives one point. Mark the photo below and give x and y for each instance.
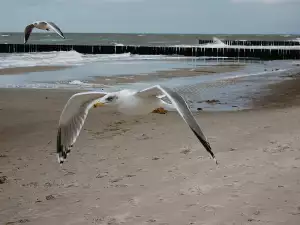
(155, 16)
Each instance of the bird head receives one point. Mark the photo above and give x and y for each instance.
(106, 100)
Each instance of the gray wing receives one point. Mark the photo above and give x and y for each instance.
(181, 106)
(27, 32)
(72, 119)
(53, 26)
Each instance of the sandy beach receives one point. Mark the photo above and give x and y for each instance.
(150, 170)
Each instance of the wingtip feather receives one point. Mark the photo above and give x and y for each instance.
(216, 161)
(61, 150)
(206, 146)
(60, 159)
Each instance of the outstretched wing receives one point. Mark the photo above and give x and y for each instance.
(182, 108)
(55, 28)
(72, 119)
(27, 32)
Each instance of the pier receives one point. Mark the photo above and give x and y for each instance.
(272, 52)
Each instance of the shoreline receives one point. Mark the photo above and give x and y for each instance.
(276, 95)
(30, 69)
(167, 74)
(282, 94)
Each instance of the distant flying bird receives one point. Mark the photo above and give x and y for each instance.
(129, 102)
(42, 25)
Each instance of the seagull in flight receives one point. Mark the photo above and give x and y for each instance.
(130, 102)
(42, 25)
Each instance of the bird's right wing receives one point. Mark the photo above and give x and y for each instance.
(72, 119)
(54, 27)
(27, 32)
(181, 106)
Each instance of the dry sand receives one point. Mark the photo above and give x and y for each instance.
(150, 170)
(30, 69)
(198, 71)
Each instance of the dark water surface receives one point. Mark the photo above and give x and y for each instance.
(44, 37)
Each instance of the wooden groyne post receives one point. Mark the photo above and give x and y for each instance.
(286, 52)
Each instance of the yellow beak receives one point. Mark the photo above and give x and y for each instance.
(98, 104)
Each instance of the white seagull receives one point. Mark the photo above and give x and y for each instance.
(129, 102)
(42, 25)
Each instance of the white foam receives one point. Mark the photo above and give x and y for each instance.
(296, 40)
(70, 58)
(40, 59)
(251, 47)
(76, 82)
(217, 41)
(295, 62)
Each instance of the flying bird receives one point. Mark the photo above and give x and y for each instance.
(42, 25)
(130, 102)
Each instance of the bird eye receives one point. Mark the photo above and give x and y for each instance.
(110, 98)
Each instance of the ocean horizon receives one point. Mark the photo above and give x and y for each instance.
(146, 39)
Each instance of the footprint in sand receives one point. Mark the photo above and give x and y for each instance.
(18, 222)
(143, 137)
(113, 220)
(116, 179)
(50, 197)
(196, 189)
(101, 175)
(134, 201)
(31, 184)
(185, 150)
(3, 180)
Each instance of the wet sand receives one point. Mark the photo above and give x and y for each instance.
(30, 69)
(148, 170)
(199, 71)
(280, 94)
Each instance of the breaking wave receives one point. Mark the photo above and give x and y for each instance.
(73, 58)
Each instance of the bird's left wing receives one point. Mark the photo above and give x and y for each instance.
(182, 108)
(27, 32)
(72, 119)
(54, 27)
